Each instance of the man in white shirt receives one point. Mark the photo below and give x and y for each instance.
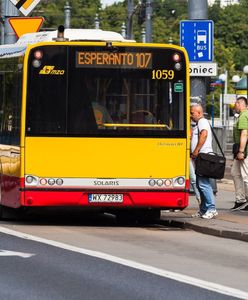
(201, 142)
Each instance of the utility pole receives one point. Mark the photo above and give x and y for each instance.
(130, 19)
(148, 21)
(7, 34)
(2, 22)
(67, 10)
(198, 10)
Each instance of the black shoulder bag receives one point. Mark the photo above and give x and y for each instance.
(211, 165)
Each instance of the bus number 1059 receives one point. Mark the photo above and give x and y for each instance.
(163, 74)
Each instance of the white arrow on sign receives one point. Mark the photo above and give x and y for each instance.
(25, 6)
(13, 253)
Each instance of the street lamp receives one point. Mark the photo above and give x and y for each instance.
(245, 70)
(235, 80)
(222, 77)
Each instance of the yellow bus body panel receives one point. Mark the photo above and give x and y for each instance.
(106, 157)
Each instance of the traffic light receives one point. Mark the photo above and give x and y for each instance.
(142, 13)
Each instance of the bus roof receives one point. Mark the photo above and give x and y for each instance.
(19, 48)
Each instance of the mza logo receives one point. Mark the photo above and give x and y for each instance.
(50, 70)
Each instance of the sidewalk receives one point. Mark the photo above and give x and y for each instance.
(228, 224)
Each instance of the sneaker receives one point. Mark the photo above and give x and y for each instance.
(244, 208)
(210, 214)
(198, 214)
(239, 205)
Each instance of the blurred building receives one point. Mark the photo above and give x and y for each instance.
(224, 2)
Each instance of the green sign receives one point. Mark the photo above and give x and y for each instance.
(178, 87)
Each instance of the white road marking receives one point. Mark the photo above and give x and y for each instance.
(13, 253)
(218, 288)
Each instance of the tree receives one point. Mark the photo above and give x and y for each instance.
(231, 27)
(231, 31)
(82, 14)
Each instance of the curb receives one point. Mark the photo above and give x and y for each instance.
(224, 233)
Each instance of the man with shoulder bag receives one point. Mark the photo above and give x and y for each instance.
(201, 142)
(239, 169)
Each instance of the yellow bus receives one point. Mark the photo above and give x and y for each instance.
(92, 120)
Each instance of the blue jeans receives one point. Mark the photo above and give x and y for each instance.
(206, 192)
(192, 178)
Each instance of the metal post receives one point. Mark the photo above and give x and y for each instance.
(97, 22)
(130, 19)
(246, 85)
(2, 21)
(245, 70)
(67, 9)
(223, 80)
(198, 10)
(149, 21)
(223, 107)
(9, 11)
(212, 110)
(143, 35)
(123, 30)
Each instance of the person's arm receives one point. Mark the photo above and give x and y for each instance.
(243, 141)
(201, 140)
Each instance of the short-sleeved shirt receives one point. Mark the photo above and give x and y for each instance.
(202, 124)
(242, 123)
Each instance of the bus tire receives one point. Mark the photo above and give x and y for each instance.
(1, 212)
(139, 215)
(149, 215)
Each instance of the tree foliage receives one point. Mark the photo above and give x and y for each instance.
(231, 26)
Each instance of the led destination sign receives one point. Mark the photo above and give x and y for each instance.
(139, 60)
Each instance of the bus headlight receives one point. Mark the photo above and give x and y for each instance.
(31, 180)
(51, 181)
(152, 182)
(178, 66)
(59, 181)
(36, 63)
(176, 57)
(180, 180)
(160, 182)
(168, 182)
(43, 181)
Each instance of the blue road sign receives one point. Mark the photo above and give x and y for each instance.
(197, 37)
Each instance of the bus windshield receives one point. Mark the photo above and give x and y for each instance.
(91, 91)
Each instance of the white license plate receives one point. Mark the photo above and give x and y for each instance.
(105, 198)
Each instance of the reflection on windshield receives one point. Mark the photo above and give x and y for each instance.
(133, 104)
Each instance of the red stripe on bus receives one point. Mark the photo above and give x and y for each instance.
(131, 199)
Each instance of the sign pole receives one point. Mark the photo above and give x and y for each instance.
(9, 11)
(198, 10)
(148, 21)
(2, 21)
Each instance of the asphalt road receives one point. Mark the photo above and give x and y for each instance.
(72, 255)
(54, 273)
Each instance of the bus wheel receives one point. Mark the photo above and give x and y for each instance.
(7, 213)
(140, 215)
(149, 215)
(1, 212)
(125, 217)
